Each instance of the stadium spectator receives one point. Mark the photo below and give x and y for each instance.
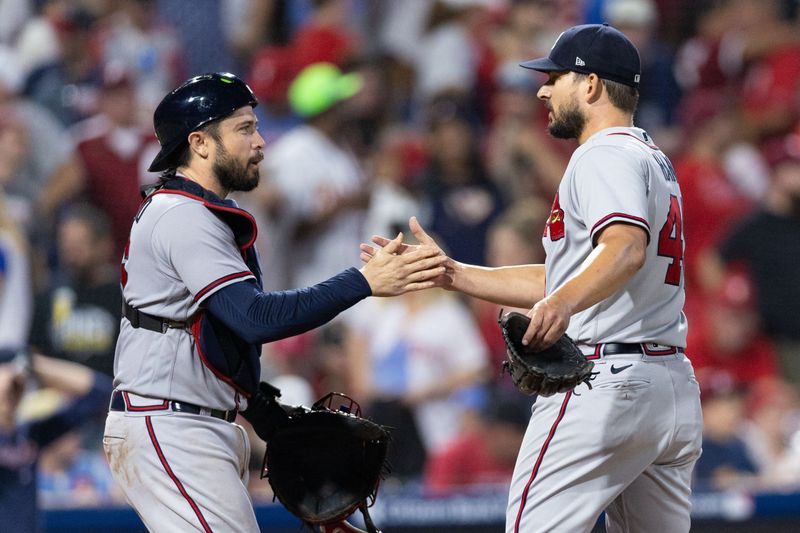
(726, 334)
(16, 303)
(521, 158)
(659, 92)
(73, 473)
(725, 462)
(67, 85)
(138, 38)
(22, 440)
(322, 188)
(324, 36)
(409, 376)
(484, 454)
(395, 193)
(77, 319)
(513, 239)
(772, 434)
(713, 202)
(115, 151)
(463, 200)
(44, 178)
(768, 243)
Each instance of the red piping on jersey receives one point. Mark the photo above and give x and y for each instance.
(539, 459)
(174, 478)
(130, 407)
(651, 146)
(620, 215)
(202, 292)
(670, 350)
(196, 334)
(211, 206)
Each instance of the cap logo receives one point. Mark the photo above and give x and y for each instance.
(636, 78)
(579, 62)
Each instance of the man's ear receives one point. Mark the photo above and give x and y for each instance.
(594, 88)
(199, 143)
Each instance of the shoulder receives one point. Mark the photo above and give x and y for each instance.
(178, 210)
(626, 146)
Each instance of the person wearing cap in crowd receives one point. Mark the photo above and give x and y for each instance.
(323, 188)
(195, 316)
(613, 280)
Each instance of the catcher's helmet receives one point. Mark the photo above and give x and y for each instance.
(197, 102)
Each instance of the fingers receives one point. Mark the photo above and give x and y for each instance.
(367, 252)
(419, 233)
(420, 285)
(419, 253)
(547, 325)
(530, 338)
(393, 245)
(380, 241)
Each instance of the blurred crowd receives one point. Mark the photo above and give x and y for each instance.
(373, 111)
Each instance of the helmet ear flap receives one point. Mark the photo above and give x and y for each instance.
(199, 101)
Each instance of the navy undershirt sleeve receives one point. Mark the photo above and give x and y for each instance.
(258, 317)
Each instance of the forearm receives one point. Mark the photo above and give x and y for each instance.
(514, 286)
(607, 269)
(260, 317)
(65, 376)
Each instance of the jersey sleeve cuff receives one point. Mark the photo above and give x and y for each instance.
(616, 218)
(218, 283)
(356, 282)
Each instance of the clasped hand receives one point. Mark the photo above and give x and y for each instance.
(393, 267)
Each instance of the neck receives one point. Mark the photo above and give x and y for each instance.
(206, 179)
(610, 117)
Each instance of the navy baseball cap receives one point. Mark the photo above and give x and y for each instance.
(593, 48)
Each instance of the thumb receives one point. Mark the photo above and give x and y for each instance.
(394, 244)
(419, 233)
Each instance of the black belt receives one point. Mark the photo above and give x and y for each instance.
(119, 403)
(617, 348)
(138, 319)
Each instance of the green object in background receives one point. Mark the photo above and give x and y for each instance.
(319, 87)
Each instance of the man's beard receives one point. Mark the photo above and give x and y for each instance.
(233, 175)
(568, 124)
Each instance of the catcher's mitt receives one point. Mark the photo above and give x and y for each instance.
(323, 464)
(558, 368)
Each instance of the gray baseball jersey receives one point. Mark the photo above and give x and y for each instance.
(619, 175)
(179, 254)
(628, 445)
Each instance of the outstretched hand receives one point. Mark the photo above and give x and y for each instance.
(396, 268)
(443, 277)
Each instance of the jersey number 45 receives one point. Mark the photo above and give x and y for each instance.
(670, 242)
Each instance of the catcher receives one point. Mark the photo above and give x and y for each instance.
(322, 463)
